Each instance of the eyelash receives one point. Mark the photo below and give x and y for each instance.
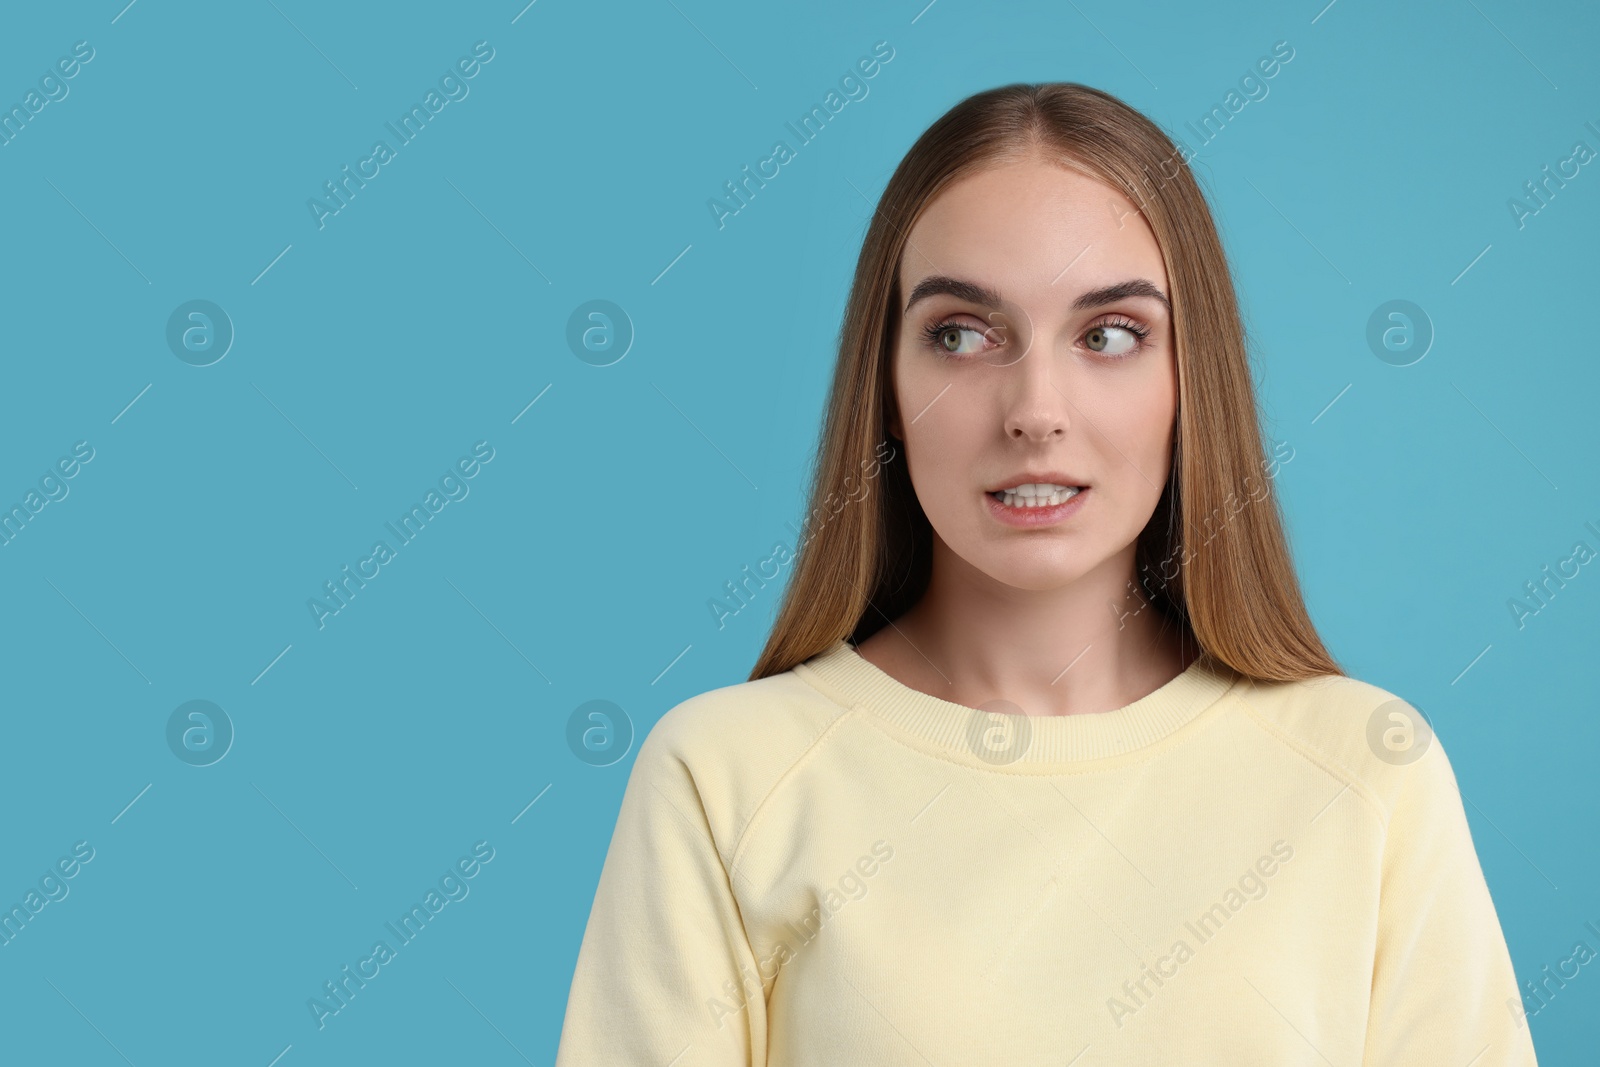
(931, 334)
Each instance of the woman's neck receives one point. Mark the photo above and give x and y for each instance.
(1093, 646)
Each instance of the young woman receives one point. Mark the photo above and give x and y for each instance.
(1044, 761)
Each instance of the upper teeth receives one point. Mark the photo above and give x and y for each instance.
(1037, 494)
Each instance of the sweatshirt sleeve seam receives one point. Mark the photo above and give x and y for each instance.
(1332, 769)
(788, 774)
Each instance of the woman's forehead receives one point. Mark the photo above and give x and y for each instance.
(1030, 230)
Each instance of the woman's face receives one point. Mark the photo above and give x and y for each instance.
(1035, 346)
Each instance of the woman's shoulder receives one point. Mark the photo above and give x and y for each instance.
(1372, 739)
(1308, 704)
(754, 729)
(734, 746)
(730, 719)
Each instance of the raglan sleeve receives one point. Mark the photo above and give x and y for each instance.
(1443, 987)
(665, 972)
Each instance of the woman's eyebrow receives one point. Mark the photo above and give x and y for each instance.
(939, 283)
(1111, 293)
(985, 297)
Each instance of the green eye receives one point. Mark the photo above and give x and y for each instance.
(953, 339)
(950, 339)
(1104, 338)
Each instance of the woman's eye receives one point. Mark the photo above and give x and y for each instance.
(956, 340)
(1111, 340)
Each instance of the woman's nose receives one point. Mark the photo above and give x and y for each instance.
(1037, 407)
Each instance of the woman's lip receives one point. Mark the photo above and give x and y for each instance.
(1040, 516)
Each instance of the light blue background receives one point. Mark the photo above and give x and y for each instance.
(432, 310)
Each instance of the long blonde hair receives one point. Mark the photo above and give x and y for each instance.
(865, 557)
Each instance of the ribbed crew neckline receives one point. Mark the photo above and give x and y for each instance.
(1016, 741)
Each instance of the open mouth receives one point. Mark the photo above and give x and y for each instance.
(1036, 495)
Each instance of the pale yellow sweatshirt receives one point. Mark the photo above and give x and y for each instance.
(828, 868)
